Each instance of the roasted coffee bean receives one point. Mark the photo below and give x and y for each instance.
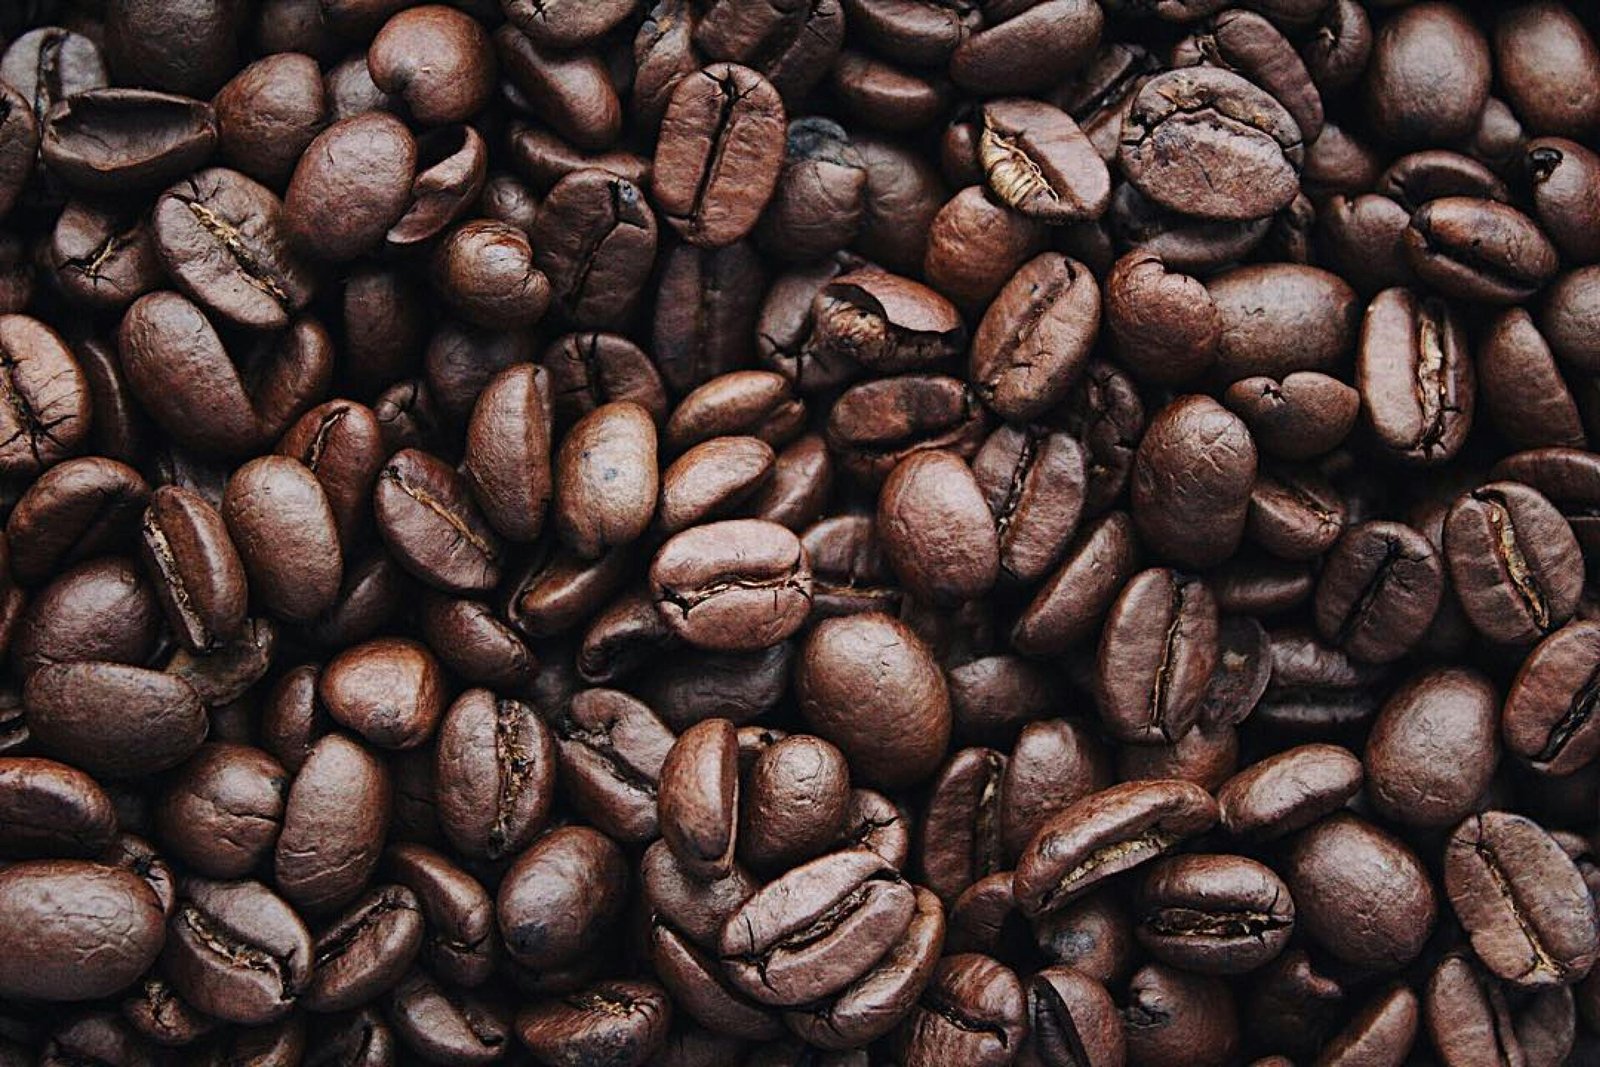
(279, 519)
(1189, 501)
(1034, 341)
(606, 479)
(1546, 718)
(880, 321)
(366, 950)
(237, 951)
(220, 235)
(334, 823)
(75, 930)
(1378, 591)
(699, 799)
(868, 684)
(1289, 791)
(1214, 914)
(1332, 870)
(1420, 775)
(112, 719)
(442, 1023)
(1251, 147)
(1422, 53)
(1071, 602)
(430, 524)
(973, 1011)
(106, 141)
(738, 585)
(494, 775)
(623, 1021)
(1474, 249)
(719, 154)
(816, 929)
(1104, 834)
(1158, 649)
(1514, 562)
(1523, 903)
(1419, 405)
(560, 896)
(221, 812)
(351, 184)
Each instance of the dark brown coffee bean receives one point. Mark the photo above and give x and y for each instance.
(334, 824)
(279, 519)
(1035, 338)
(737, 585)
(47, 409)
(222, 810)
(437, 60)
(975, 245)
(698, 798)
(352, 183)
(1514, 562)
(1523, 903)
(596, 241)
(1214, 914)
(936, 529)
(365, 951)
(1189, 501)
(719, 154)
(99, 610)
(1039, 162)
(1473, 249)
(1158, 648)
(622, 1021)
(817, 928)
(1177, 120)
(108, 140)
(1289, 791)
(590, 369)
(868, 684)
(75, 930)
(1429, 76)
(112, 719)
(494, 771)
(1023, 47)
(1105, 834)
(1547, 714)
(1305, 414)
(444, 1024)
(1549, 67)
(882, 322)
(1379, 591)
(606, 479)
(268, 113)
(1071, 602)
(429, 522)
(1419, 774)
(1278, 318)
(1330, 871)
(612, 750)
(220, 236)
(559, 898)
(973, 1011)
(78, 509)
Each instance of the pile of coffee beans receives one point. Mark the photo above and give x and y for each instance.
(799, 533)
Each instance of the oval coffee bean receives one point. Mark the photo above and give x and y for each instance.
(1549, 717)
(109, 140)
(1191, 481)
(430, 524)
(237, 951)
(1514, 562)
(194, 567)
(112, 719)
(334, 824)
(1158, 649)
(494, 775)
(1034, 341)
(279, 519)
(817, 928)
(719, 153)
(738, 585)
(1379, 590)
(1214, 914)
(1105, 834)
(75, 930)
(1523, 903)
(1332, 868)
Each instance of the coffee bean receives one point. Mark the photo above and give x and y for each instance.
(237, 951)
(1331, 870)
(112, 719)
(62, 914)
(719, 154)
(107, 140)
(1033, 342)
(1523, 903)
(1190, 503)
(494, 775)
(1514, 562)
(1104, 834)
(738, 585)
(1177, 119)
